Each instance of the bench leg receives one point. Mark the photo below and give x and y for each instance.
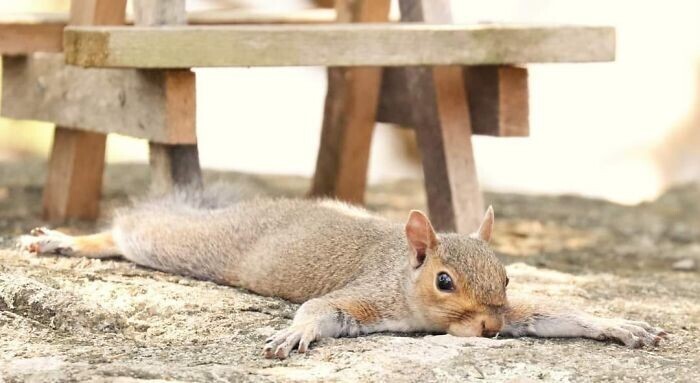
(444, 137)
(443, 128)
(349, 115)
(74, 180)
(346, 136)
(174, 166)
(177, 165)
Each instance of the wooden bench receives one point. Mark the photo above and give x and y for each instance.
(446, 81)
(28, 33)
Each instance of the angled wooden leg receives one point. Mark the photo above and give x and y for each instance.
(443, 129)
(444, 138)
(349, 116)
(346, 136)
(74, 180)
(498, 100)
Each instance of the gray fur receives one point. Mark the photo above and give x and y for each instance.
(270, 246)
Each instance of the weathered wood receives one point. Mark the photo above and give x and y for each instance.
(223, 16)
(159, 12)
(255, 16)
(440, 112)
(394, 100)
(172, 165)
(97, 12)
(74, 179)
(130, 102)
(349, 115)
(27, 33)
(497, 95)
(177, 164)
(17, 38)
(387, 44)
(498, 100)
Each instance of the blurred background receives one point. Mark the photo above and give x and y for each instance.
(622, 131)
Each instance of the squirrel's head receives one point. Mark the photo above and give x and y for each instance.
(459, 284)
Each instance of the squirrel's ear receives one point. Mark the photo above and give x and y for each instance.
(486, 228)
(420, 235)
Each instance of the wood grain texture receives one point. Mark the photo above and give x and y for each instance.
(180, 107)
(27, 33)
(177, 165)
(17, 38)
(440, 112)
(497, 95)
(498, 100)
(97, 12)
(130, 102)
(349, 116)
(394, 99)
(387, 44)
(261, 16)
(74, 179)
(199, 17)
(172, 165)
(159, 12)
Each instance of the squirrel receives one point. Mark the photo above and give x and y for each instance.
(353, 271)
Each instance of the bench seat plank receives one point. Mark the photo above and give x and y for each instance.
(387, 44)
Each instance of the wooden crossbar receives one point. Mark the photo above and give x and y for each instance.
(386, 44)
(27, 35)
(497, 97)
(143, 104)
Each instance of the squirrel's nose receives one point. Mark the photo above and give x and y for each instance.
(489, 333)
(489, 329)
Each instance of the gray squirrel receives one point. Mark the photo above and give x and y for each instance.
(355, 272)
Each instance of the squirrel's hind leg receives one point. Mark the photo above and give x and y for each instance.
(44, 241)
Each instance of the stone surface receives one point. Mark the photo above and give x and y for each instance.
(69, 319)
(685, 265)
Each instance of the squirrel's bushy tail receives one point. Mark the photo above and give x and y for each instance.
(180, 231)
(215, 196)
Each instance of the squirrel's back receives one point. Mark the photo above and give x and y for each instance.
(294, 249)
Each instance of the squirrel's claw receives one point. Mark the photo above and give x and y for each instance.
(633, 334)
(305, 341)
(44, 241)
(281, 344)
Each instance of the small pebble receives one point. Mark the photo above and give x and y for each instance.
(685, 265)
(449, 340)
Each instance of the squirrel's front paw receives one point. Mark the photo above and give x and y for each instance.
(281, 344)
(634, 334)
(44, 241)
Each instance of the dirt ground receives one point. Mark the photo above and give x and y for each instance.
(68, 319)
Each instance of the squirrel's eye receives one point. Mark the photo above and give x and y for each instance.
(444, 282)
(507, 280)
